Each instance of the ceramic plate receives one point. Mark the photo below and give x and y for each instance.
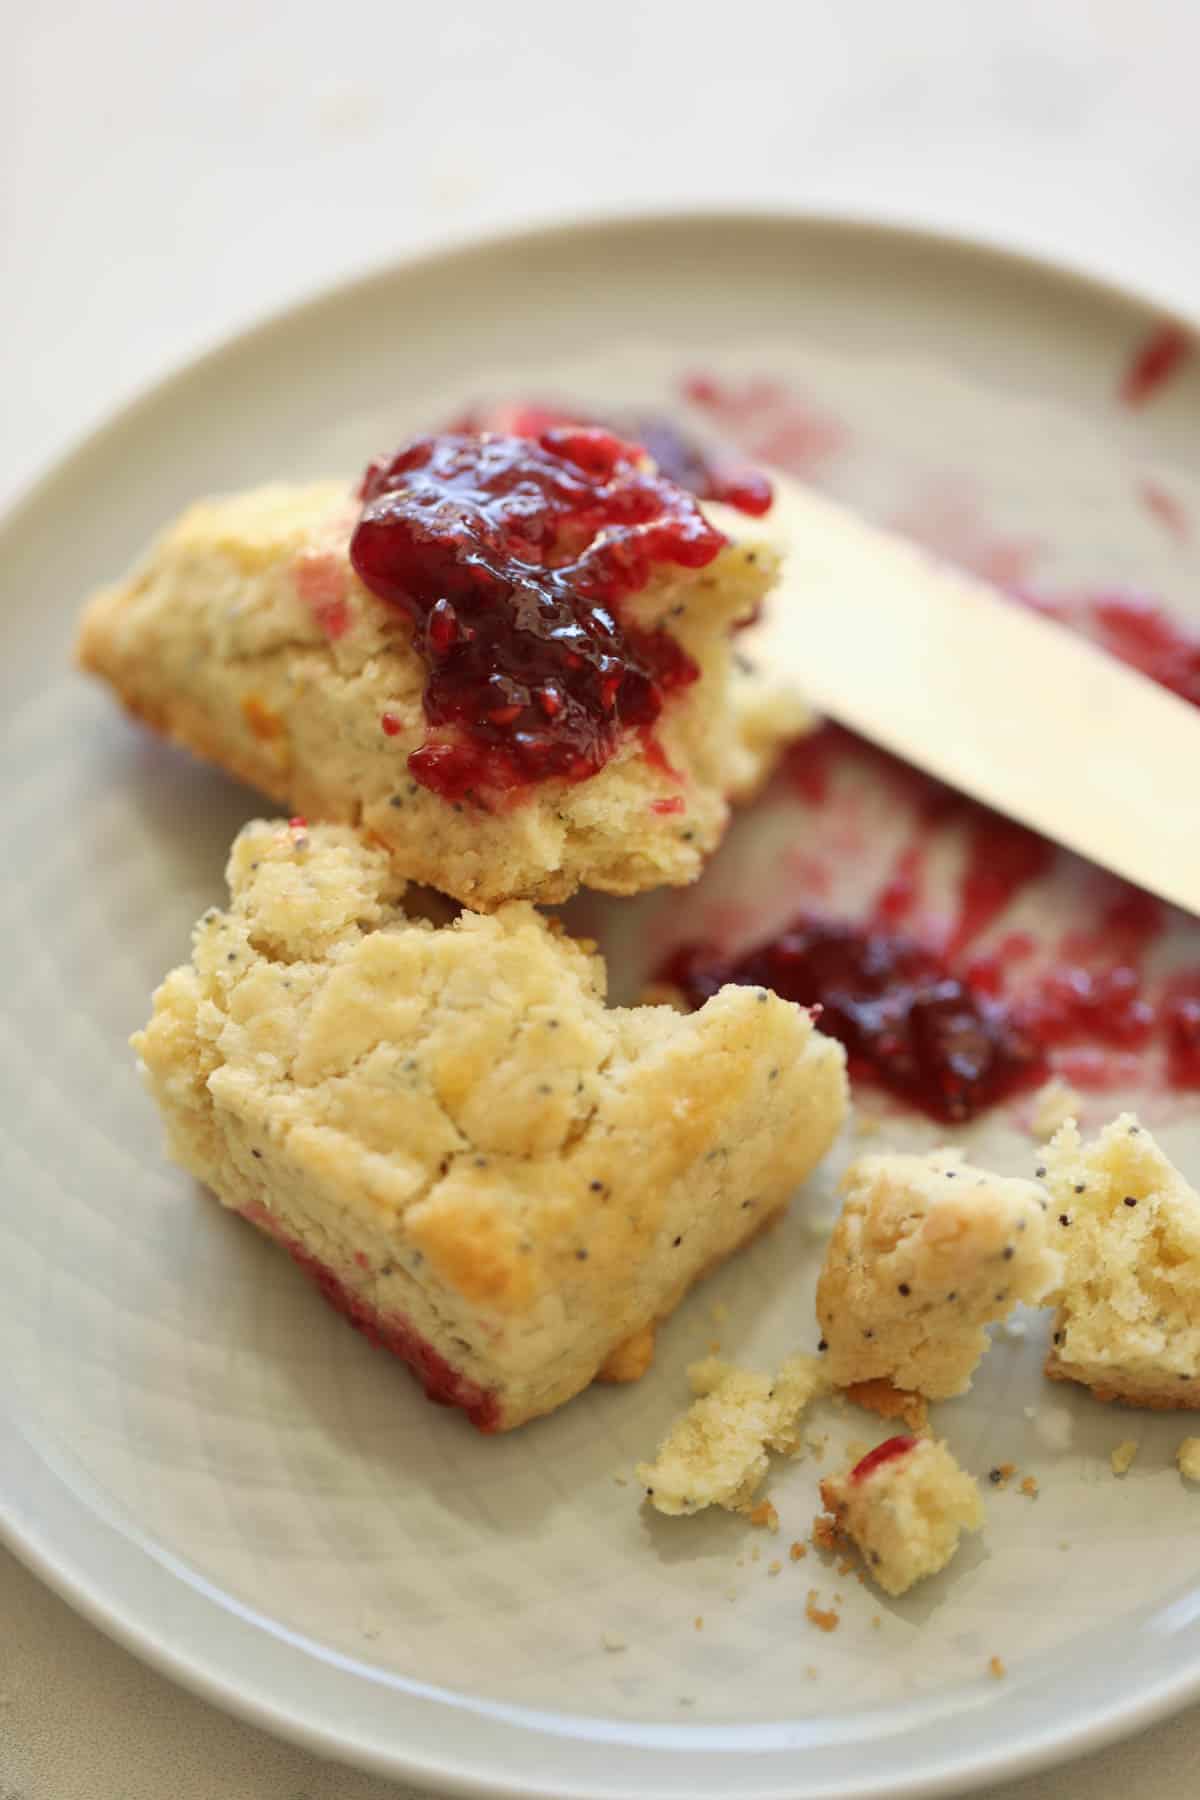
(204, 1459)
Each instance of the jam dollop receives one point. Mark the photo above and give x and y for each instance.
(512, 557)
(706, 470)
(926, 1033)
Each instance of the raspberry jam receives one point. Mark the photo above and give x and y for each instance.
(707, 472)
(443, 1384)
(512, 557)
(891, 1449)
(1154, 363)
(925, 1033)
(1144, 634)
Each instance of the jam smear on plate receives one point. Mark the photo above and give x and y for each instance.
(1154, 363)
(918, 1027)
(512, 557)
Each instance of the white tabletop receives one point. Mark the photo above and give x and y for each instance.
(169, 172)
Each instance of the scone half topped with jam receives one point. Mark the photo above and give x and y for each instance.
(506, 658)
(492, 1173)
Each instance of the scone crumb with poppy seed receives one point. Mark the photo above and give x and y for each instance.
(928, 1250)
(1128, 1321)
(905, 1505)
(717, 1452)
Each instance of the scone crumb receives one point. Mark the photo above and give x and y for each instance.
(764, 1514)
(797, 1550)
(1001, 1474)
(717, 1452)
(876, 1622)
(1128, 1319)
(890, 1402)
(698, 1622)
(1123, 1456)
(613, 1643)
(905, 1507)
(1029, 1487)
(1188, 1458)
(927, 1252)
(997, 1669)
(774, 1568)
(823, 1618)
(825, 1534)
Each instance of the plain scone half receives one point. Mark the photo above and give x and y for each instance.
(488, 1170)
(245, 635)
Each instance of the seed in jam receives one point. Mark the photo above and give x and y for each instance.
(511, 557)
(907, 1019)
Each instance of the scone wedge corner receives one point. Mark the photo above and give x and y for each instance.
(246, 636)
(488, 1170)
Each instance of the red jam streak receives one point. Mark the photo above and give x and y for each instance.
(1170, 512)
(1141, 633)
(768, 420)
(889, 1451)
(512, 557)
(908, 1020)
(442, 1383)
(1154, 363)
(321, 584)
(706, 472)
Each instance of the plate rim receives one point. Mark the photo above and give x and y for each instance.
(63, 1572)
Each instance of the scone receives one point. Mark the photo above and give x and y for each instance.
(488, 1171)
(926, 1252)
(905, 1505)
(715, 1453)
(507, 659)
(1128, 1323)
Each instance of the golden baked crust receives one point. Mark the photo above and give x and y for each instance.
(1128, 1324)
(907, 1515)
(450, 1124)
(715, 1453)
(926, 1252)
(245, 636)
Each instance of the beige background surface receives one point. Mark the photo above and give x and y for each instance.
(167, 174)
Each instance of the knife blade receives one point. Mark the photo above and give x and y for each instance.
(1007, 706)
